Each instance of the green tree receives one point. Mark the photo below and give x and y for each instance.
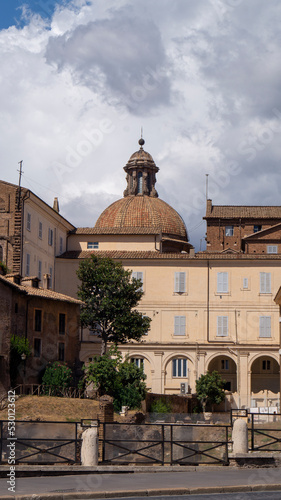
(210, 389)
(110, 296)
(122, 380)
(57, 377)
(18, 346)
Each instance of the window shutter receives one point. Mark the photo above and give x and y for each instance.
(180, 282)
(265, 282)
(265, 326)
(138, 275)
(222, 326)
(245, 282)
(222, 282)
(179, 327)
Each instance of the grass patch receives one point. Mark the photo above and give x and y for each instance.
(48, 408)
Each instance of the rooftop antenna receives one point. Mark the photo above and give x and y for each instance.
(207, 186)
(20, 176)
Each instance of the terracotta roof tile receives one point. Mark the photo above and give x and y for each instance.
(39, 292)
(244, 212)
(113, 230)
(141, 213)
(145, 255)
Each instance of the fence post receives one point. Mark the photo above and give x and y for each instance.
(105, 415)
(90, 446)
(240, 436)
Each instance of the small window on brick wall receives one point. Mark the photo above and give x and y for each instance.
(37, 348)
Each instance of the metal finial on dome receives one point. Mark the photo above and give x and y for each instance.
(141, 141)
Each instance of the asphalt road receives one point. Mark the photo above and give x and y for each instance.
(131, 482)
(263, 495)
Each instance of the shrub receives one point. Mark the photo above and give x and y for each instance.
(160, 406)
(56, 379)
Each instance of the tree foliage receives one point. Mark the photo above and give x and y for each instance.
(110, 296)
(18, 347)
(210, 389)
(57, 377)
(122, 380)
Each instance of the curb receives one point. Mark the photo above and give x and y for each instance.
(87, 495)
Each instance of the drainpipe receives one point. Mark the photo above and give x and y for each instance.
(208, 301)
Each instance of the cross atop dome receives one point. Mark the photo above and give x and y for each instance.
(141, 174)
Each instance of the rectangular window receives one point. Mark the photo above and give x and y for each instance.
(179, 367)
(265, 326)
(92, 245)
(61, 323)
(245, 284)
(28, 222)
(257, 228)
(38, 320)
(179, 325)
(40, 231)
(224, 364)
(61, 245)
(51, 277)
(179, 282)
(272, 248)
(266, 365)
(265, 282)
(50, 237)
(27, 269)
(138, 362)
(222, 282)
(40, 269)
(222, 326)
(61, 351)
(138, 275)
(229, 230)
(37, 348)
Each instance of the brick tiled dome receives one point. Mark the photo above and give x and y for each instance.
(135, 214)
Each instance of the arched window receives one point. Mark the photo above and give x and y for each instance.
(149, 183)
(1, 253)
(140, 180)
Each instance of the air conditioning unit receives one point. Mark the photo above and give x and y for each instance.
(184, 388)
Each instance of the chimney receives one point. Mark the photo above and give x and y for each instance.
(46, 281)
(14, 278)
(56, 205)
(32, 281)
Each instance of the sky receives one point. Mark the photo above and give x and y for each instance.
(79, 79)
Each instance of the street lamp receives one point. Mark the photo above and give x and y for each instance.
(23, 357)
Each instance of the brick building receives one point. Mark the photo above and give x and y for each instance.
(49, 320)
(243, 229)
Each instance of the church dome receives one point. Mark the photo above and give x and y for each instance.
(141, 211)
(142, 214)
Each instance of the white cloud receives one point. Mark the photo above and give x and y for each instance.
(201, 78)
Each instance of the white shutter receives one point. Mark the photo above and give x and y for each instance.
(222, 282)
(245, 283)
(179, 282)
(222, 326)
(265, 282)
(138, 275)
(179, 325)
(265, 326)
(272, 249)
